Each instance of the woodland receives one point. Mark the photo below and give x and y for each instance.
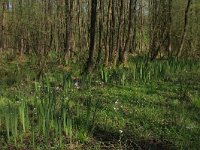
(99, 74)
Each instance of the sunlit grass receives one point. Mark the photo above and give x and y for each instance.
(147, 101)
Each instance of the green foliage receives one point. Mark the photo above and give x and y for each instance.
(146, 101)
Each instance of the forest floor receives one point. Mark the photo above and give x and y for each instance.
(112, 110)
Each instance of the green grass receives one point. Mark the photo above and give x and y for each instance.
(148, 105)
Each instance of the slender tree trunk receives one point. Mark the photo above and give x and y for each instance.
(170, 30)
(185, 28)
(67, 28)
(132, 43)
(141, 27)
(106, 35)
(119, 41)
(112, 33)
(90, 61)
(100, 34)
(2, 35)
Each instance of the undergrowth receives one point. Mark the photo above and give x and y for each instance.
(147, 105)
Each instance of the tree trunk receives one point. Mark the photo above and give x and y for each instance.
(90, 61)
(132, 43)
(170, 30)
(100, 35)
(185, 28)
(67, 34)
(119, 34)
(2, 27)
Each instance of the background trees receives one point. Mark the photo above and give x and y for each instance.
(157, 28)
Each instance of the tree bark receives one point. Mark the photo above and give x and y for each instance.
(67, 29)
(185, 28)
(170, 30)
(100, 34)
(90, 61)
(2, 44)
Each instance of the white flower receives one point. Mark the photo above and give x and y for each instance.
(76, 84)
(120, 131)
(117, 101)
